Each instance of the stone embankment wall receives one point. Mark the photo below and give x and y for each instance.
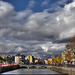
(9, 68)
(64, 70)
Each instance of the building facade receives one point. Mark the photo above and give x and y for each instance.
(36, 60)
(50, 61)
(71, 47)
(53, 57)
(66, 56)
(69, 53)
(19, 59)
(30, 58)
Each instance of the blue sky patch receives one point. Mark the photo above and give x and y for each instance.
(39, 5)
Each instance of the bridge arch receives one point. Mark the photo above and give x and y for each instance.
(42, 67)
(24, 67)
(33, 67)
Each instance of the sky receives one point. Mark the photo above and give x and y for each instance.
(36, 27)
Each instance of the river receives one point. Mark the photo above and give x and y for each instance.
(30, 71)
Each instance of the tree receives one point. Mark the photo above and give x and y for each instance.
(57, 60)
(53, 57)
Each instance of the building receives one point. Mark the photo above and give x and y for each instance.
(1, 59)
(46, 61)
(63, 55)
(8, 58)
(50, 61)
(20, 59)
(71, 47)
(43, 61)
(26, 61)
(53, 57)
(69, 53)
(30, 58)
(66, 56)
(36, 60)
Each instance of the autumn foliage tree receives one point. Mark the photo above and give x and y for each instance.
(57, 60)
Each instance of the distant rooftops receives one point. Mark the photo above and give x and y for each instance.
(20, 54)
(72, 40)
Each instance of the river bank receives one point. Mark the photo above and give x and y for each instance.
(9, 68)
(64, 70)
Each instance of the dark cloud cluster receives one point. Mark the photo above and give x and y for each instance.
(35, 33)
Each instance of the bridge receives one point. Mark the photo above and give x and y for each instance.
(35, 66)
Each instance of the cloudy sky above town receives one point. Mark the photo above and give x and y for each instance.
(37, 27)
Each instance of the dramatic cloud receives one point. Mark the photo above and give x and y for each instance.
(23, 15)
(37, 33)
(36, 48)
(5, 9)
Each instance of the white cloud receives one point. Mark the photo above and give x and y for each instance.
(23, 14)
(45, 2)
(5, 9)
(60, 2)
(35, 32)
(69, 6)
(31, 4)
(67, 34)
(49, 46)
(44, 47)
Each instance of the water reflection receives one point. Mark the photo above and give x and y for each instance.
(30, 71)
